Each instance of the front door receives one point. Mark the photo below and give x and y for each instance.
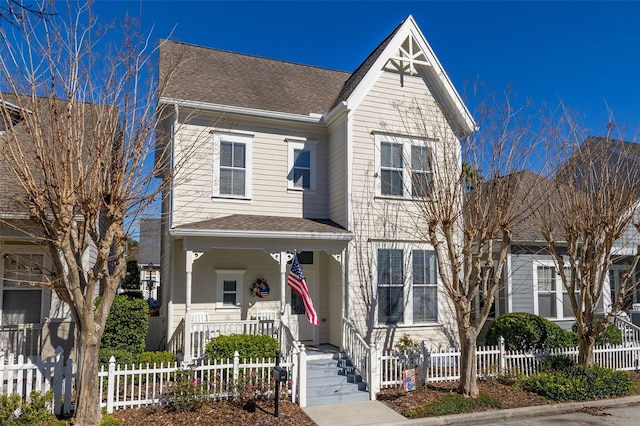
(301, 328)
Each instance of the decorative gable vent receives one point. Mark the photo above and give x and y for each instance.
(408, 56)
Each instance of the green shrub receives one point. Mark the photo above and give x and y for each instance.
(159, 357)
(122, 357)
(248, 346)
(526, 332)
(453, 403)
(407, 345)
(108, 420)
(559, 363)
(127, 325)
(611, 335)
(579, 383)
(15, 412)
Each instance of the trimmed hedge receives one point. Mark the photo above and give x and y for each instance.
(127, 325)
(248, 346)
(579, 383)
(526, 332)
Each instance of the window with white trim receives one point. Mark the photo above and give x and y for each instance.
(302, 165)
(551, 299)
(232, 166)
(404, 167)
(229, 284)
(405, 273)
(425, 286)
(22, 280)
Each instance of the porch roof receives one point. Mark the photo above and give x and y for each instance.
(254, 226)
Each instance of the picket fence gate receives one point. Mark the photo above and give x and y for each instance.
(443, 364)
(23, 375)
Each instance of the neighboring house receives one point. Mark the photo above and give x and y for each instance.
(531, 282)
(33, 321)
(270, 158)
(149, 258)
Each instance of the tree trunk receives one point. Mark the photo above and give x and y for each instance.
(87, 410)
(468, 381)
(585, 350)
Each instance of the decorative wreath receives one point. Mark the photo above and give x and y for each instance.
(259, 288)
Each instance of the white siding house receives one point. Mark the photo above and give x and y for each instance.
(271, 158)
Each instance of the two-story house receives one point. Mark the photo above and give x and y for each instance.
(271, 158)
(33, 320)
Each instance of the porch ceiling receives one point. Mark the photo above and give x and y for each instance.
(252, 231)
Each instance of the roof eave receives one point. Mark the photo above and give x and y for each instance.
(230, 109)
(225, 233)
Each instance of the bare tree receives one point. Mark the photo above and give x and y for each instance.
(470, 223)
(77, 104)
(14, 12)
(591, 222)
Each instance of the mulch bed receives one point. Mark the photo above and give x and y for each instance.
(217, 413)
(229, 413)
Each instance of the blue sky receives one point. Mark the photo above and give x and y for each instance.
(585, 53)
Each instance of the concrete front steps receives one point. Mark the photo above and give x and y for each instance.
(331, 379)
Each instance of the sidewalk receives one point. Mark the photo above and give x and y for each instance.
(376, 413)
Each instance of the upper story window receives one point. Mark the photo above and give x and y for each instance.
(302, 165)
(232, 166)
(404, 167)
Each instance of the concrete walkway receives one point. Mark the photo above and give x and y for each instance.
(376, 413)
(353, 414)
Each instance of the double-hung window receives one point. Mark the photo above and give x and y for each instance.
(407, 284)
(551, 300)
(391, 169)
(390, 286)
(22, 288)
(404, 167)
(302, 165)
(425, 286)
(232, 166)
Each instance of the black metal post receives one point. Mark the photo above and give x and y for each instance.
(277, 396)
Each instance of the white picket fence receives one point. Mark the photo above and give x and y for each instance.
(22, 375)
(439, 365)
(136, 386)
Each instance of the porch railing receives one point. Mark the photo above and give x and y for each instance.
(630, 331)
(291, 350)
(176, 343)
(365, 357)
(24, 339)
(202, 332)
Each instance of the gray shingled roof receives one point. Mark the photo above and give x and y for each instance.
(13, 199)
(227, 78)
(362, 70)
(249, 223)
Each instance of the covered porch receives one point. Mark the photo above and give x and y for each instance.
(229, 276)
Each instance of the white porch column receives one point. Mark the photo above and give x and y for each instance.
(191, 257)
(282, 258)
(187, 307)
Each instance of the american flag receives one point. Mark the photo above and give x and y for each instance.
(297, 282)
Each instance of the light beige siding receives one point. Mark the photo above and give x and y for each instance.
(390, 107)
(193, 191)
(338, 169)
